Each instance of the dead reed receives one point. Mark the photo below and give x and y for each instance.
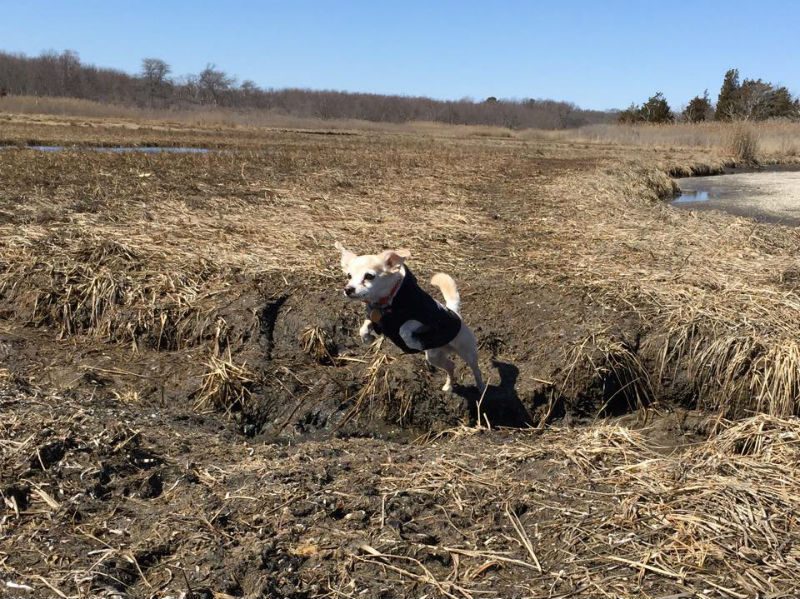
(227, 386)
(317, 343)
(106, 289)
(743, 143)
(775, 139)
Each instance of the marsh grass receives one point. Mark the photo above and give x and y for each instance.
(744, 141)
(527, 227)
(38, 109)
(103, 288)
(586, 511)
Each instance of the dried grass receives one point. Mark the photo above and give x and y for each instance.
(596, 511)
(227, 386)
(618, 516)
(375, 389)
(42, 109)
(711, 291)
(317, 343)
(743, 143)
(104, 288)
(775, 139)
(616, 367)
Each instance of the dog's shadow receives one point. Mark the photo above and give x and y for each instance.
(500, 405)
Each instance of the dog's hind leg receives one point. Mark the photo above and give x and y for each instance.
(438, 357)
(466, 346)
(472, 361)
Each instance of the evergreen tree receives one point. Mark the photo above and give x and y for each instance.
(699, 109)
(782, 105)
(656, 110)
(728, 97)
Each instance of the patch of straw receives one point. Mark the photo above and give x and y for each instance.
(227, 386)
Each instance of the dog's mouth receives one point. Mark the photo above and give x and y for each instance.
(354, 294)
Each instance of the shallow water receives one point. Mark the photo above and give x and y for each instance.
(118, 149)
(768, 196)
(688, 197)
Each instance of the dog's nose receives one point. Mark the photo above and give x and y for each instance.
(348, 291)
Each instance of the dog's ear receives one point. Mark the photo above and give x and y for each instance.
(393, 259)
(347, 255)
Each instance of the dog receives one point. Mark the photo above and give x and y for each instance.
(398, 308)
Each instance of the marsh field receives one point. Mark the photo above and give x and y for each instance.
(186, 409)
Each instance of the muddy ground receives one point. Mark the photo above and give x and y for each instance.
(187, 410)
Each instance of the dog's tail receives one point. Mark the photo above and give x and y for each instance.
(447, 286)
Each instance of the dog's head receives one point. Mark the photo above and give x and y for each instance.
(372, 278)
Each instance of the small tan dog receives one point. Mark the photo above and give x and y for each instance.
(399, 309)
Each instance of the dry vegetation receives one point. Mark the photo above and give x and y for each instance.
(593, 512)
(770, 141)
(159, 311)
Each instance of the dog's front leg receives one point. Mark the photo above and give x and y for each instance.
(367, 332)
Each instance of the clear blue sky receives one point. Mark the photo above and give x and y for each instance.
(598, 54)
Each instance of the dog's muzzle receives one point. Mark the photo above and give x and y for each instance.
(349, 291)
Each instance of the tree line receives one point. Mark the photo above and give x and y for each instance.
(63, 74)
(748, 100)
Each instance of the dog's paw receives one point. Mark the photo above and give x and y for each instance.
(366, 333)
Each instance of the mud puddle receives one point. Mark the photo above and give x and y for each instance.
(767, 196)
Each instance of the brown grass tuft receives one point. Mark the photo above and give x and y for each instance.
(317, 343)
(227, 386)
(105, 289)
(742, 143)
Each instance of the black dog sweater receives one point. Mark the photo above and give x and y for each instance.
(440, 325)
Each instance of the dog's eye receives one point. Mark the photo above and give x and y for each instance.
(348, 276)
(369, 276)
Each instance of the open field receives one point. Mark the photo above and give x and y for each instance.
(186, 408)
(26, 108)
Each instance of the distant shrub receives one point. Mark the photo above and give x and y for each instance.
(655, 110)
(743, 143)
(699, 109)
(632, 114)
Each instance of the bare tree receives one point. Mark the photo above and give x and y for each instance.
(154, 74)
(62, 74)
(70, 65)
(155, 70)
(249, 87)
(214, 83)
(754, 99)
